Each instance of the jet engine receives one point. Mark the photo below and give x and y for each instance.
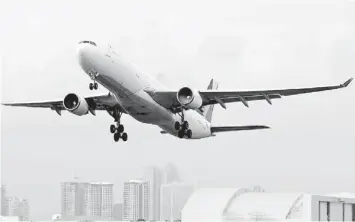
(75, 104)
(189, 98)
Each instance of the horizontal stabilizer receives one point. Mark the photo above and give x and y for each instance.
(236, 128)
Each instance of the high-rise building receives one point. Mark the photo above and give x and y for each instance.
(117, 214)
(13, 205)
(173, 198)
(75, 199)
(135, 200)
(87, 199)
(19, 208)
(153, 176)
(4, 202)
(101, 199)
(23, 210)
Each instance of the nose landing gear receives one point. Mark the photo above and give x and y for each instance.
(94, 85)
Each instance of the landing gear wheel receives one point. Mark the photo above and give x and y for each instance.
(124, 137)
(185, 125)
(116, 137)
(112, 128)
(181, 134)
(96, 86)
(189, 133)
(117, 128)
(120, 128)
(91, 86)
(177, 125)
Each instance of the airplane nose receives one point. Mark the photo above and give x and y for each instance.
(84, 50)
(80, 50)
(82, 54)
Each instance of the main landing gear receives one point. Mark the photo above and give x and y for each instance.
(118, 129)
(183, 127)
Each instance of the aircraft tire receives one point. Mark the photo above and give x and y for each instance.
(112, 128)
(189, 133)
(124, 137)
(185, 125)
(181, 134)
(116, 137)
(177, 125)
(120, 128)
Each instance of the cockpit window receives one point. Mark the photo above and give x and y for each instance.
(90, 42)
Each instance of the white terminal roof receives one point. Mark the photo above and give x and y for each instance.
(343, 195)
(215, 203)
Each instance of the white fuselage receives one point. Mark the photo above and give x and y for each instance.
(127, 83)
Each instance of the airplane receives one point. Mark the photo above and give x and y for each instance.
(185, 113)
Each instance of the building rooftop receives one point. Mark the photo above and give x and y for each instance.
(235, 204)
(101, 183)
(87, 182)
(136, 181)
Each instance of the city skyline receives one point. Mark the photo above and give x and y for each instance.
(141, 197)
(244, 45)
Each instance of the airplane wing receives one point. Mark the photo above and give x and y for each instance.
(102, 102)
(168, 98)
(217, 129)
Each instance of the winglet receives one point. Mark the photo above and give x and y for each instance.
(345, 84)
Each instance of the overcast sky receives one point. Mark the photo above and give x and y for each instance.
(243, 44)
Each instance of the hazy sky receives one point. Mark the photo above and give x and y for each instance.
(243, 44)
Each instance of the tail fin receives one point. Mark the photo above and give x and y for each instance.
(208, 110)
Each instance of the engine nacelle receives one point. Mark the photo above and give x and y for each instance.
(189, 98)
(75, 104)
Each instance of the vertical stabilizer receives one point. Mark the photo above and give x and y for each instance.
(208, 110)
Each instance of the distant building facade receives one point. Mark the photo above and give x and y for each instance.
(173, 198)
(153, 176)
(4, 202)
(101, 200)
(75, 199)
(18, 208)
(87, 199)
(135, 200)
(117, 214)
(23, 210)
